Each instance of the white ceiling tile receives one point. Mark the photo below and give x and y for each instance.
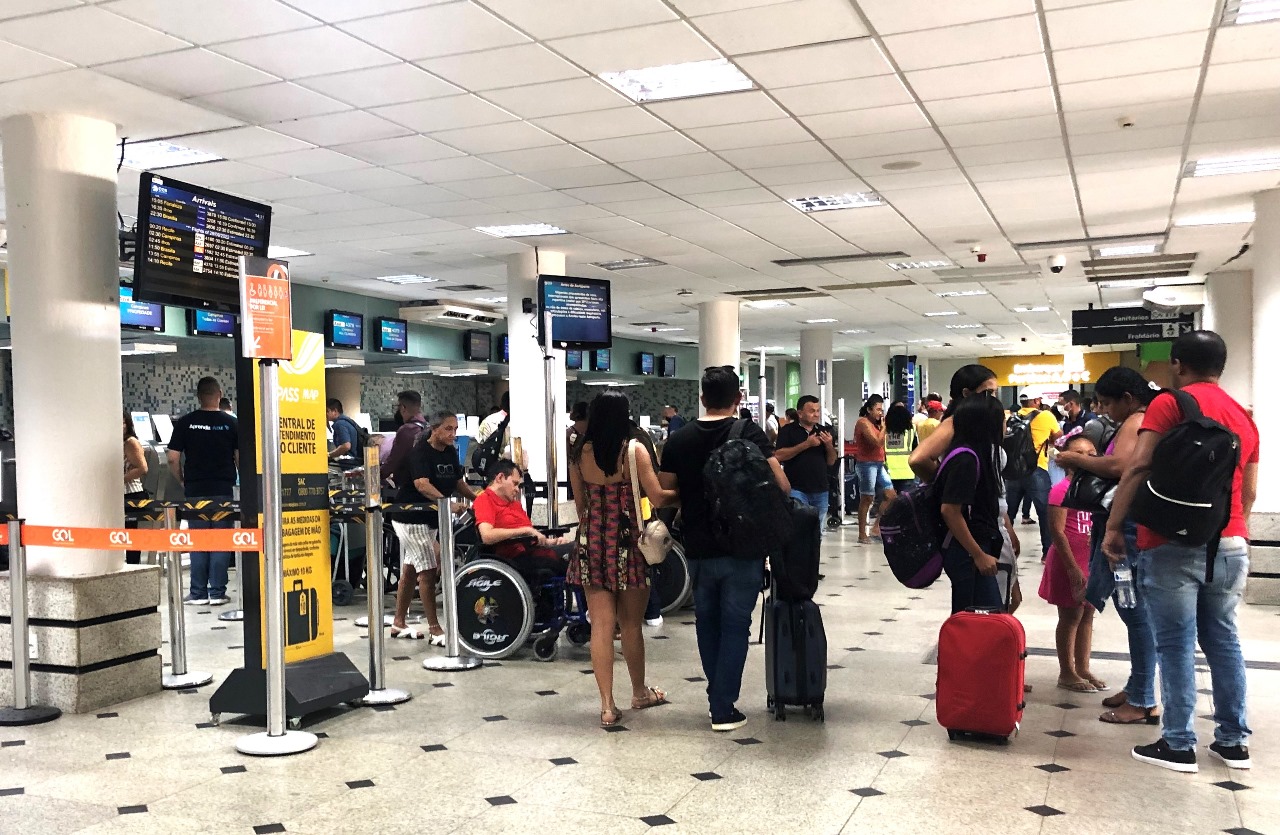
(305, 53)
(1241, 77)
(224, 173)
(581, 176)
(849, 184)
(335, 202)
(334, 11)
(496, 187)
(986, 77)
(881, 144)
(359, 217)
(1226, 132)
(1245, 43)
(636, 48)
(706, 111)
(444, 114)
(751, 134)
(285, 188)
(189, 72)
(1129, 139)
(557, 98)
(86, 36)
(270, 103)
(17, 62)
(362, 180)
(885, 181)
(1131, 90)
(995, 106)
(340, 128)
(1127, 20)
(998, 172)
(891, 119)
(492, 139)
(815, 64)
(238, 143)
(681, 166)
(1003, 130)
(455, 208)
(1013, 151)
(835, 96)
(446, 29)
(22, 8)
(535, 202)
(1157, 114)
(616, 193)
(890, 16)
(376, 86)
(398, 150)
(1123, 161)
(546, 158)
(794, 153)
(785, 25)
(692, 8)
(450, 170)
(548, 19)
(412, 196)
(194, 21)
(602, 124)
(987, 40)
(310, 161)
(1133, 57)
(1238, 105)
(702, 183)
(808, 173)
(510, 66)
(650, 146)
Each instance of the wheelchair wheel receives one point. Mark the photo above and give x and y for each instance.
(343, 593)
(579, 633)
(671, 578)
(495, 609)
(547, 647)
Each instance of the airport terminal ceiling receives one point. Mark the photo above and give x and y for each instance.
(386, 142)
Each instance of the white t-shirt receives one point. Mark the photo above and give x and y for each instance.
(490, 425)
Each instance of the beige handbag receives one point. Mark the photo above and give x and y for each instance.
(655, 540)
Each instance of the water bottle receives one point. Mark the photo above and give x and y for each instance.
(1124, 586)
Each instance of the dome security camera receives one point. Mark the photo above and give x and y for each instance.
(1057, 264)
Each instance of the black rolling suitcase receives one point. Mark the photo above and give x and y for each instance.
(795, 657)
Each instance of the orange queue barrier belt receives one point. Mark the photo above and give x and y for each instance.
(141, 539)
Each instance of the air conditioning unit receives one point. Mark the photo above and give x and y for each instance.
(1175, 300)
(449, 315)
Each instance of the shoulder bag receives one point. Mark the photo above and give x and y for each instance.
(654, 540)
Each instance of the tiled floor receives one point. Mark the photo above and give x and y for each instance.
(516, 748)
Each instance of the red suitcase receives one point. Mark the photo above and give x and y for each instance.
(982, 658)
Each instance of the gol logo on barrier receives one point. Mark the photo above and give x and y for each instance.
(119, 538)
(178, 540)
(62, 535)
(244, 538)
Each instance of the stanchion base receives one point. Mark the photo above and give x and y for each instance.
(445, 664)
(32, 715)
(234, 614)
(185, 681)
(265, 745)
(385, 696)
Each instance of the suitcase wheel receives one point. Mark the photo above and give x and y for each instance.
(768, 703)
(952, 735)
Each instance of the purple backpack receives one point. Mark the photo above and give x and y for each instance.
(914, 533)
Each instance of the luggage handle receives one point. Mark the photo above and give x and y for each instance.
(1008, 597)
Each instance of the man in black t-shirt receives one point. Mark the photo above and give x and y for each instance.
(807, 452)
(203, 453)
(725, 586)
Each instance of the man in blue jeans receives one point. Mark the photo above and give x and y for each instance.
(807, 452)
(725, 586)
(1044, 430)
(1186, 601)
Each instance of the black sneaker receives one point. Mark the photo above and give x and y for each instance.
(1159, 753)
(731, 722)
(1235, 756)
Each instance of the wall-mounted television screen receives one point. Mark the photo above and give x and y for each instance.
(600, 360)
(573, 359)
(139, 316)
(190, 240)
(581, 311)
(644, 363)
(343, 329)
(666, 366)
(477, 346)
(504, 348)
(211, 323)
(392, 335)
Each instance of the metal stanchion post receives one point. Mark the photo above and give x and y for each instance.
(453, 659)
(237, 614)
(22, 712)
(178, 678)
(553, 425)
(276, 740)
(840, 431)
(379, 693)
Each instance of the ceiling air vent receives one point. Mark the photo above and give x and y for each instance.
(869, 285)
(971, 275)
(649, 324)
(1177, 265)
(777, 293)
(460, 288)
(819, 260)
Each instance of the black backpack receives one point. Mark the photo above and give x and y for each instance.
(485, 454)
(1021, 454)
(750, 517)
(1186, 494)
(362, 438)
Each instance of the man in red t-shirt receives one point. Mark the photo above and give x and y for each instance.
(1181, 605)
(506, 528)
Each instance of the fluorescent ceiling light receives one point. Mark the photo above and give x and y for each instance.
(1233, 165)
(773, 349)
(614, 383)
(768, 304)
(336, 365)
(1126, 283)
(415, 371)
(949, 294)
(521, 230)
(406, 279)
(1240, 12)
(668, 330)
(285, 252)
(149, 156)
(857, 200)
(1127, 249)
(818, 321)
(628, 263)
(962, 327)
(856, 330)
(933, 313)
(1242, 216)
(679, 81)
(916, 341)
(134, 349)
(1133, 303)
(493, 300)
(460, 373)
(920, 265)
(1040, 308)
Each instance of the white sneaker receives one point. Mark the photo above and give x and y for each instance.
(219, 601)
(197, 601)
(653, 621)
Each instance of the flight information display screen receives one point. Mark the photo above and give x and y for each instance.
(580, 310)
(210, 323)
(393, 335)
(137, 315)
(190, 240)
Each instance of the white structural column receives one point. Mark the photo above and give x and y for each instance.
(719, 340)
(528, 392)
(1266, 313)
(815, 345)
(1228, 311)
(60, 196)
(875, 368)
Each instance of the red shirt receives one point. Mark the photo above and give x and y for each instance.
(869, 449)
(489, 507)
(1163, 414)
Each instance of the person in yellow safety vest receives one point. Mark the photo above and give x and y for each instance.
(899, 441)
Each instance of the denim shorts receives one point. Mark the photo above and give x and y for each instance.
(873, 478)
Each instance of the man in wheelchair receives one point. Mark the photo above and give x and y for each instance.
(508, 533)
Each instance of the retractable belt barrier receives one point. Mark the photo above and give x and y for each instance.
(135, 539)
(379, 693)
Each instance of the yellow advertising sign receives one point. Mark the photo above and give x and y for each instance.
(1051, 370)
(304, 495)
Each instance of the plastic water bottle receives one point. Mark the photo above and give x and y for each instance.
(1124, 586)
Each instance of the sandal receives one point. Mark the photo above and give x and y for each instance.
(610, 723)
(1081, 686)
(410, 633)
(652, 698)
(1117, 700)
(436, 639)
(1148, 717)
(1098, 684)
(864, 540)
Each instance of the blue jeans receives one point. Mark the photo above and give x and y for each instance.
(1036, 486)
(209, 568)
(724, 597)
(968, 587)
(1141, 687)
(817, 501)
(1183, 607)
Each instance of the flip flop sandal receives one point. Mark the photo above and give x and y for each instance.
(610, 723)
(435, 640)
(1078, 687)
(1148, 718)
(1098, 684)
(409, 633)
(653, 698)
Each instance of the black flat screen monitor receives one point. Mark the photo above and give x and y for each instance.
(504, 348)
(600, 360)
(343, 329)
(140, 316)
(211, 323)
(190, 240)
(581, 311)
(573, 359)
(644, 363)
(666, 366)
(393, 335)
(477, 346)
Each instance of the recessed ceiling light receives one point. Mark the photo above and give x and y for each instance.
(949, 294)
(1127, 283)
(856, 330)
(934, 313)
(856, 200)
(679, 81)
(521, 230)
(901, 165)
(1133, 303)
(920, 265)
(406, 279)
(962, 327)
(1232, 165)
(1240, 12)
(157, 153)
(768, 304)
(493, 300)
(285, 252)
(1040, 308)
(1242, 216)
(966, 241)
(628, 263)
(1127, 249)
(818, 321)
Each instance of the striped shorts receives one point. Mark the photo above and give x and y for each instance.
(418, 545)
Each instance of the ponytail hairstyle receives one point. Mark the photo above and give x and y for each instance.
(871, 403)
(968, 377)
(1118, 381)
